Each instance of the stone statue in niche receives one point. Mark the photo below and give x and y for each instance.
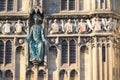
(82, 26)
(7, 28)
(68, 27)
(90, 25)
(98, 26)
(54, 27)
(36, 40)
(19, 27)
(62, 24)
(109, 25)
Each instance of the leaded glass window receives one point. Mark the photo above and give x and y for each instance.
(63, 4)
(2, 5)
(64, 51)
(71, 4)
(10, 5)
(1, 51)
(72, 51)
(8, 52)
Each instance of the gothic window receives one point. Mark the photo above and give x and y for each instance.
(30, 75)
(0, 75)
(41, 75)
(2, 5)
(64, 51)
(10, 5)
(8, 75)
(81, 4)
(103, 53)
(71, 4)
(19, 5)
(63, 4)
(63, 75)
(1, 51)
(72, 51)
(8, 52)
(73, 75)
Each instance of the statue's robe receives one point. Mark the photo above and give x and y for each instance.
(36, 42)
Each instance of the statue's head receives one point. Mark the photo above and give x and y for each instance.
(36, 18)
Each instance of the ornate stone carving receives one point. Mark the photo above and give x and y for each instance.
(54, 27)
(82, 27)
(7, 28)
(98, 27)
(68, 27)
(19, 27)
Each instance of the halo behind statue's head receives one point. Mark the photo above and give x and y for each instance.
(37, 16)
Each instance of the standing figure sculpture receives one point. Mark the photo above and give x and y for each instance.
(82, 27)
(69, 27)
(18, 27)
(7, 28)
(36, 41)
(54, 27)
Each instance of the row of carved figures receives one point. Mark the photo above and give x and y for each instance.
(83, 25)
(9, 27)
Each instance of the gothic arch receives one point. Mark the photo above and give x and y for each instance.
(8, 75)
(63, 75)
(29, 75)
(1, 51)
(53, 49)
(64, 51)
(73, 75)
(19, 58)
(8, 52)
(72, 51)
(84, 62)
(41, 75)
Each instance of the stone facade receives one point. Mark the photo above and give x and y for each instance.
(84, 37)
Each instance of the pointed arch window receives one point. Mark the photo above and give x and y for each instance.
(63, 75)
(103, 53)
(8, 52)
(30, 75)
(2, 5)
(8, 75)
(73, 75)
(64, 51)
(41, 75)
(10, 5)
(1, 51)
(72, 51)
(63, 4)
(71, 4)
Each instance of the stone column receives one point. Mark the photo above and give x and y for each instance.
(108, 2)
(90, 62)
(58, 60)
(100, 62)
(111, 61)
(93, 4)
(106, 63)
(95, 60)
(36, 72)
